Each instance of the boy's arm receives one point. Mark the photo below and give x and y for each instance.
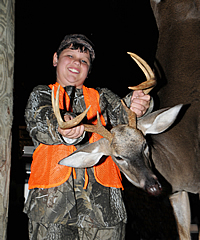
(112, 108)
(41, 121)
(129, 99)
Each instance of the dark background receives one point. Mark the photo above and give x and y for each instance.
(115, 27)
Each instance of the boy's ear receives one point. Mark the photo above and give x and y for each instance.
(55, 59)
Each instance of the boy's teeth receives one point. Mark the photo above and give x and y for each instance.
(74, 70)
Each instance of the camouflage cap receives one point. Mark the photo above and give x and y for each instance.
(78, 39)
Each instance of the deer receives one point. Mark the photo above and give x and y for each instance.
(177, 65)
(128, 147)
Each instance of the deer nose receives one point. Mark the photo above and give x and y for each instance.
(153, 187)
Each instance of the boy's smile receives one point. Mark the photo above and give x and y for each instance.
(73, 70)
(72, 67)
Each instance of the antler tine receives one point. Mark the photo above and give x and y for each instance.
(132, 118)
(148, 85)
(69, 124)
(99, 128)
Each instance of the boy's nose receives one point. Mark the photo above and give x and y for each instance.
(77, 61)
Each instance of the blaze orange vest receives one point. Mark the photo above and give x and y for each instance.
(45, 170)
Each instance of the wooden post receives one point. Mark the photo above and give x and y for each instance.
(6, 105)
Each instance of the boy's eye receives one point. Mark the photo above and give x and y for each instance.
(69, 56)
(83, 61)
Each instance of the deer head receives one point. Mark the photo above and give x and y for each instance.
(126, 144)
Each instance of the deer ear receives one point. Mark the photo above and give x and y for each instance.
(87, 156)
(159, 121)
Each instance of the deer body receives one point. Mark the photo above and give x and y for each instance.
(178, 60)
(177, 159)
(178, 50)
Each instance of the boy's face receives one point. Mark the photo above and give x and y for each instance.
(72, 67)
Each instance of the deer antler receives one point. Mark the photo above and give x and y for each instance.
(69, 124)
(131, 115)
(148, 85)
(98, 128)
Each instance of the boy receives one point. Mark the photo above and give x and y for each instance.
(67, 203)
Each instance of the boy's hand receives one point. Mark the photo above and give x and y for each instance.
(139, 102)
(74, 132)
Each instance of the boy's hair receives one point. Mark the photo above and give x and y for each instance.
(77, 41)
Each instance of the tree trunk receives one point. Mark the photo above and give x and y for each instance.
(6, 105)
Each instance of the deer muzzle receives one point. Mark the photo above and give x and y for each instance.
(153, 187)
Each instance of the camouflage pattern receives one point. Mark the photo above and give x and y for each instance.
(68, 211)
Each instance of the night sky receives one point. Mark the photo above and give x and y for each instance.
(115, 27)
